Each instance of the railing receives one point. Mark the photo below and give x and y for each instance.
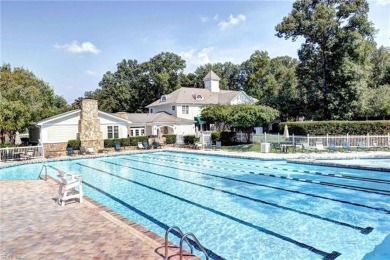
(23, 152)
(184, 238)
(178, 230)
(40, 173)
(353, 140)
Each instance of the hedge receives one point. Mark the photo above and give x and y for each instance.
(75, 144)
(337, 127)
(190, 139)
(130, 141)
(170, 139)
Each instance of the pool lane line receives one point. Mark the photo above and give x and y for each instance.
(268, 186)
(331, 184)
(326, 255)
(362, 230)
(152, 219)
(333, 175)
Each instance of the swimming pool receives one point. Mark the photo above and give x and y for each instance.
(242, 208)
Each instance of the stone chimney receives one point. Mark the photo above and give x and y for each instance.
(89, 125)
(122, 115)
(211, 81)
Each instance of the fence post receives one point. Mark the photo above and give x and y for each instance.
(308, 139)
(293, 139)
(347, 138)
(265, 137)
(278, 138)
(368, 140)
(327, 139)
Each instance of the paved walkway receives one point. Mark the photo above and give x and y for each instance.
(33, 226)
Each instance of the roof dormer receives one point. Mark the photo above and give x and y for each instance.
(163, 98)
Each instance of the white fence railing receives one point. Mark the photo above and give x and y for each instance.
(353, 140)
(23, 152)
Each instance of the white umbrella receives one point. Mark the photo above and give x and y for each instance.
(18, 141)
(159, 133)
(286, 134)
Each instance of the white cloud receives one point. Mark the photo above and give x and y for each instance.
(195, 58)
(382, 2)
(91, 72)
(75, 47)
(232, 21)
(216, 17)
(204, 19)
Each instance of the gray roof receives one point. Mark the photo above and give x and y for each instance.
(188, 96)
(157, 118)
(211, 76)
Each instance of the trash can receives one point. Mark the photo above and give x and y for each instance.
(265, 147)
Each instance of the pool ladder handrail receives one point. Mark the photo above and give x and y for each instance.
(201, 248)
(169, 230)
(182, 239)
(39, 176)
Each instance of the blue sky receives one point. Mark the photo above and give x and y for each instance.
(71, 44)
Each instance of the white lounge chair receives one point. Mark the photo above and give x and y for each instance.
(90, 150)
(141, 146)
(67, 189)
(320, 147)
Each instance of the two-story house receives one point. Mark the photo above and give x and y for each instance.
(187, 103)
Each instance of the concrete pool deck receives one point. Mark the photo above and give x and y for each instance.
(33, 226)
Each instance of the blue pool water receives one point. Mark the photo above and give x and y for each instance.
(242, 208)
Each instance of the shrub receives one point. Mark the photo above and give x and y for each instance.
(109, 142)
(190, 139)
(75, 144)
(226, 137)
(135, 139)
(125, 141)
(337, 127)
(215, 136)
(170, 139)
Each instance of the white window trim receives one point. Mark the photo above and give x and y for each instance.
(113, 127)
(185, 109)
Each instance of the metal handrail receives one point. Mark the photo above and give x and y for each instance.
(181, 234)
(196, 242)
(39, 176)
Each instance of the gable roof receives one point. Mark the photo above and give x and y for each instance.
(211, 76)
(75, 112)
(188, 96)
(157, 118)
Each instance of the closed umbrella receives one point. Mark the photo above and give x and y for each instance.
(285, 133)
(18, 141)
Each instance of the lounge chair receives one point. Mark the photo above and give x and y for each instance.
(146, 145)
(117, 147)
(345, 146)
(332, 146)
(208, 146)
(90, 150)
(308, 148)
(246, 148)
(83, 150)
(276, 147)
(320, 147)
(140, 146)
(361, 146)
(156, 145)
(69, 151)
(218, 145)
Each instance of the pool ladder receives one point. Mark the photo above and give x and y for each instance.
(40, 173)
(183, 237)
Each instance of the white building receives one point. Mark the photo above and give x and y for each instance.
(187, 103)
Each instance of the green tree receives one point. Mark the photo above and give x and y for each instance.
(25, 99)
(242, 117)
(334, 56)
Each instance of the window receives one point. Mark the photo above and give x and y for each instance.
(151, 110)
(163, 98)
(173, 108)
(199, 97)
(137, 132)
(112, 132)
(185, 110)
